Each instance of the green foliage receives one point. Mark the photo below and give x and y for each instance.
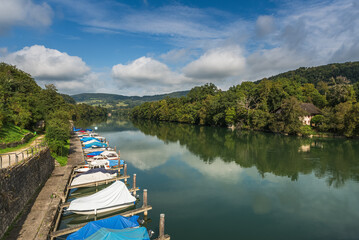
(307, 130)
(11, 133)
(23, 104)
(270, 104)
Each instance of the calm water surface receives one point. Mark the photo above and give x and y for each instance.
(213, 183)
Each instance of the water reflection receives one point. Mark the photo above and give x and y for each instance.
(217, 184)
(332, 159)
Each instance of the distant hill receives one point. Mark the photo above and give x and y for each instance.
(325, 73)
(115, 101)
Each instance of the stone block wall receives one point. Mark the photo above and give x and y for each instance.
(19, 183)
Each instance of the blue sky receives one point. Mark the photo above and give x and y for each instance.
(142, 47)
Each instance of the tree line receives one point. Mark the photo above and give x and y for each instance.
(24, 104)
(254, 105)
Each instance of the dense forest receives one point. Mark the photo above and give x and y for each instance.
(23, 103)
(333, 88)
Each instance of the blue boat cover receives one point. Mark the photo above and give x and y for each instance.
(94, 153)
(114, 163)
(116, 222)
(98, 144)
(89, 129)
(85, 139)
(95, 170)
(124, 234)
(77, 129)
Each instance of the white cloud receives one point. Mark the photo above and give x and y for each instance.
(265, 25)
(148, 74)
(218, 63)
(47, 64)
(24, 13)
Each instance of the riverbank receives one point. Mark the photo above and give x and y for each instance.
(37, 220)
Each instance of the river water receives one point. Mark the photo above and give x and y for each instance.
(213, 183)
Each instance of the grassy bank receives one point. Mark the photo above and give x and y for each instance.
(11, 133)
(62, 158)
(25, 145)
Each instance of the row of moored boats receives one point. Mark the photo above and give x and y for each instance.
(102, 164)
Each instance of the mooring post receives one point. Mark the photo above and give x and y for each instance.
(115, 149)
(162, 226)
(125, 172)
(119, 161)
(108, 144)
(134, 184)
(145, 200)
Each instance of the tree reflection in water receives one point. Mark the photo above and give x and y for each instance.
(329, 158)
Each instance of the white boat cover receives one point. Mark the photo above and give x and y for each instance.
(93, 177)
(114, 195)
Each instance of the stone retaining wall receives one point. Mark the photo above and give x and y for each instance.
(19, 183)
(25, 139)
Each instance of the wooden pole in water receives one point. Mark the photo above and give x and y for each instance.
(115, 149)
(125, 172)
(145, 200)
(134, 184)
(119, 161)
(162, 226)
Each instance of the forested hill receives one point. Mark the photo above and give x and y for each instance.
(114, 101)
(333, 88)
(105, 96)
(326, 73)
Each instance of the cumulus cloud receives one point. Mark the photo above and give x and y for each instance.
(218, 63)
(47, 64)
(24, 13)
(148, 73)
(265, 25)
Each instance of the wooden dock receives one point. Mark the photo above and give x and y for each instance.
(144, 209)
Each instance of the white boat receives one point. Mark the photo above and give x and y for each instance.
(94, 164)
(94, 175)
(106, 155)
(95, 149)
(90, 141)
(114, 197)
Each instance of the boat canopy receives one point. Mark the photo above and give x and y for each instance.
(123, 234)
(77, 129)
(95, 170)
(93, 177)
(91, 141)
(116, 222)
(94, 153)
(97, 144)
(114, 195)
(86, 139)
(114, 163)
(109, 154)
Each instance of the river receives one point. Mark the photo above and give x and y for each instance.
(214, 183)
